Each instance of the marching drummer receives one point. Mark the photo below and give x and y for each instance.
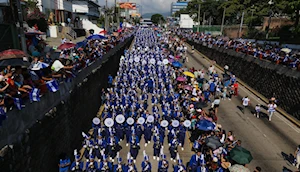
(119, 127)
(128, 128)
(96, 125)
(138, 127)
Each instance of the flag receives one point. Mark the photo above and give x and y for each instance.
(18, 104)
(34, 95)
(52, 85)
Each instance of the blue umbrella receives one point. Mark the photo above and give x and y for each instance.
(177, 64)
(205, 125)
(80, 44)
(96, 36)
(36, 54)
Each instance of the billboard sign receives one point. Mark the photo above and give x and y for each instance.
(127, 5)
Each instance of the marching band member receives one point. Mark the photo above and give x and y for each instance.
(179, 167)
(173, 148)
(119, 167)
(77, 165)
(105, 166)
(146, 165)
(134, 145)
(131, 166)
(91, 164)
(163, 165)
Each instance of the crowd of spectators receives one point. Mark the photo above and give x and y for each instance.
(274, 53)
(18, 83)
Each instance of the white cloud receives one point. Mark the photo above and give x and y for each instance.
(148, 6)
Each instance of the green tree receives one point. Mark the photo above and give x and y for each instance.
(157, 18)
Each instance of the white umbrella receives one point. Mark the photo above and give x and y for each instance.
(286, 50)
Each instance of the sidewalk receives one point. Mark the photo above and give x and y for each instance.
(55, 42)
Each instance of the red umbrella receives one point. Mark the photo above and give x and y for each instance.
(188, 87)
(181, 79)
(13, 57)
(103, 31)
(66, 45)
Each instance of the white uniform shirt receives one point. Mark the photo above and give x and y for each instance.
(246, 101)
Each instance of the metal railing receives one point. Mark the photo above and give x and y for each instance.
(72, 33)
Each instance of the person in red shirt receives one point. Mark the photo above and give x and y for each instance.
(235, 86)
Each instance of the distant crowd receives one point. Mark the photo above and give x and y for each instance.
(274, 53)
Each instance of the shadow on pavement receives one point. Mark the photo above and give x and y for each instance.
(289, 158)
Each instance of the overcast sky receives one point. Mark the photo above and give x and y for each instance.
(149, 6)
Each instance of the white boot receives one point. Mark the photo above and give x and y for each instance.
(134, 161)
(182, 149)
(146, 144)
(154, 157)
(157, 158)
(126, 144)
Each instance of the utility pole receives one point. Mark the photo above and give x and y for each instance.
(203, 22)
(223, 20)
(199, 9)
(118, 16)
(21, 28)
(106, 16)
(241, 25)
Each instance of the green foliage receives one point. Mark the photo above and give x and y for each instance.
(254, 10)
(157, 18)
(31, 4)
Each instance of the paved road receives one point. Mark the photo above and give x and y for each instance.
(269, 142)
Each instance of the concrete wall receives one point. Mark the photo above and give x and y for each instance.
(43, 130)
(265, 77)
